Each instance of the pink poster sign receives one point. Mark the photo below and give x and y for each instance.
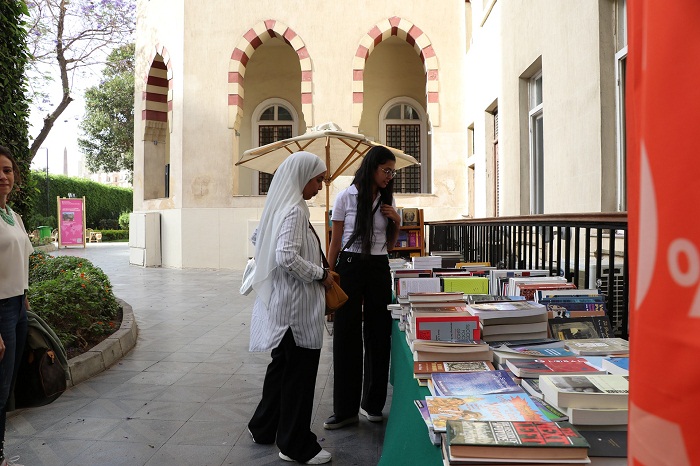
(72, 229)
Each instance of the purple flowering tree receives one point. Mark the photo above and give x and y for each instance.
(67, 37)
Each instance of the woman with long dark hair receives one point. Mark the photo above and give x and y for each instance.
(365, 229)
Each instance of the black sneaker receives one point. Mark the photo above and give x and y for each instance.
(334, 423)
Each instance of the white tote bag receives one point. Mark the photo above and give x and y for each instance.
(248, 274)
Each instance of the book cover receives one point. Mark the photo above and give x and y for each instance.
(509, 309)
(405, 286)
(454, 328)
(495, 407)
(428, 367)
(606, 443)
(598, 346)
(467, 285)
(576, 328)
(515, 440)
(531, 368)
(473, 383)
(617, 365)
(585, 391)
(410, 216)
(552, 412)
(554, 311)
(412, 239)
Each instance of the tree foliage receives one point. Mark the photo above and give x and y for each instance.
(14, 106)
(66, 37)
(109, 116)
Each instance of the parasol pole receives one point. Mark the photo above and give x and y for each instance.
(327, 181)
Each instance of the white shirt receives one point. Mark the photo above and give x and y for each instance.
(345, 210)
(15, 249)
(298, 299)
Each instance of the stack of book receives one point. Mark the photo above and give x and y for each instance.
(499, 278)
(527, 286)
(427, 262)
(438, 328)
(589, 400)
(508, 442)
(575, 314)
(514, 320)
(449, 258)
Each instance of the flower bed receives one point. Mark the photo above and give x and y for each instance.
(75, 298)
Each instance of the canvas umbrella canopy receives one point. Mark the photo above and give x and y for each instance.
(342, 152)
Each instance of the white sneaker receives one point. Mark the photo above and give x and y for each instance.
(11, 462)
(372, 417)
(322, 457)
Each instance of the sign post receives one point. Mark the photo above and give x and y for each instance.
(71, 222)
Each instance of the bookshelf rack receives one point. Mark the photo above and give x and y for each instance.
(413, 236)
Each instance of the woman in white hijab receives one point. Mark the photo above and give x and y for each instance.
(288, 314)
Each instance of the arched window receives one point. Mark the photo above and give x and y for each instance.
(273, 120)
(403, 126)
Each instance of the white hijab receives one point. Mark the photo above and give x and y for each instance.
(285, 192)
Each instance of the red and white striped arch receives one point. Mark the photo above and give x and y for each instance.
(158, 97)
(403, 29)
(251, 40)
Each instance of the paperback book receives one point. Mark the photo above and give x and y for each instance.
(533, 368)
(425, 368)
(455, 328)
(473, 383)
(586, 391)
(513, 440)
(576, 328)
(598, 416)
(599, 346)
(617, 365)
(495, 407)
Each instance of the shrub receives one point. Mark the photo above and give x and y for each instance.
(124, 220)
(73, 296)
(115, 235)
(108, 224)
(36, 220)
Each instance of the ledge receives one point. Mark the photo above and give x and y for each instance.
(106, 353)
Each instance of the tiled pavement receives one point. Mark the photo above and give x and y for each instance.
(184, 394)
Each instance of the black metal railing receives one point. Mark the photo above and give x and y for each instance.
(590, 250)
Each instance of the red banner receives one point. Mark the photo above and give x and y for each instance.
(663, 103)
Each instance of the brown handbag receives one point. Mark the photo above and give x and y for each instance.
(335, 296)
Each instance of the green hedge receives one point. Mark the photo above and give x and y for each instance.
(102, 202)
(114, 235)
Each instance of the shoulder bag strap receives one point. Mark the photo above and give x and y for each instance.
(354, 235)
(323, 256)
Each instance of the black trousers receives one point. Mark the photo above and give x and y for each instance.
(284, 412)
(367, 283)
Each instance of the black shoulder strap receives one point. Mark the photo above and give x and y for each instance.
(355, 233)
(323, 256)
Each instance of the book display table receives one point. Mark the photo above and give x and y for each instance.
(406, 434)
